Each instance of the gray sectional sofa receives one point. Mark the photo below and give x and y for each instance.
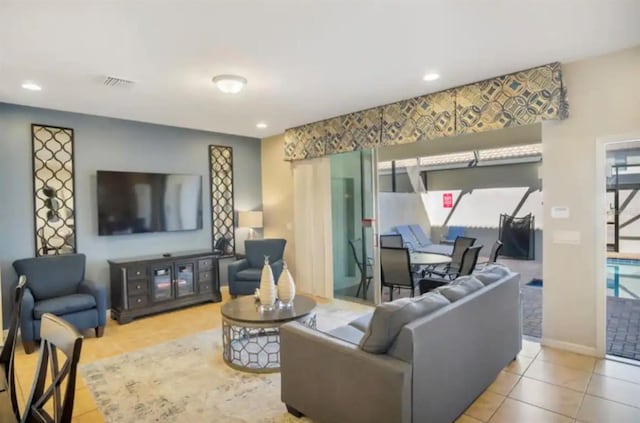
(418, 360)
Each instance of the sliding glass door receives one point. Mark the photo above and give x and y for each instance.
(353, 212)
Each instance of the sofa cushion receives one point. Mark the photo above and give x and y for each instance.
(389, 318)
(492, 273)
(347, 333)
(64, 305)
(362, 322)
(460, 288)
(249, 275)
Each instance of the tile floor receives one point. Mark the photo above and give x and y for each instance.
(542, 385)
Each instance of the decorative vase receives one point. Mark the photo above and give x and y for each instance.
(286, 287)
(267, 286)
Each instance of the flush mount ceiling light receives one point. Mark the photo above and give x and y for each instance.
(31, 86)
(229, 84)
(431, 76)
(261, 125)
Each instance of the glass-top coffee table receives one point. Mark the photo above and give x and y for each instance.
(251, 337)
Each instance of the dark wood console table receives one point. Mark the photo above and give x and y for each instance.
(153, 284)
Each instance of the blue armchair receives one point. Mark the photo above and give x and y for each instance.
(56, 285)
(244, 275)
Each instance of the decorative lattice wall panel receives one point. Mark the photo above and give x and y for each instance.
(54, 190)
(222, 214)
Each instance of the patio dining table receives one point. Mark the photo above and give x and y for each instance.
(429, 259)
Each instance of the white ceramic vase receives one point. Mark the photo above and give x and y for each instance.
(286, 287)
(267, 286)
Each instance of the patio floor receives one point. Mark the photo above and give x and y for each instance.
(623, 315)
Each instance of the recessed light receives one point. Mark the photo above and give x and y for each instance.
(431, 76)
(261, 125)
(230, 84)
(31, 86)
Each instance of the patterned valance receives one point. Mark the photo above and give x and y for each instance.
(520, 98)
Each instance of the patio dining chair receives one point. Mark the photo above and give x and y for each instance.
(459, 248)
(395, 267)
(468, 264)
(365, 267)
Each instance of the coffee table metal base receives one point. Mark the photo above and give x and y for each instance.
(255, 347)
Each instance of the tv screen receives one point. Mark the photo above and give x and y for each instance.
(132, 202)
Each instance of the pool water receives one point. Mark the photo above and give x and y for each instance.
(623, 278)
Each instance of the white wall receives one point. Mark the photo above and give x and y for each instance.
(401, 208)
(604, 101)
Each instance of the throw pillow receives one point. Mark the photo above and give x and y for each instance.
(460, 289)
(492, 273)
(389, 318)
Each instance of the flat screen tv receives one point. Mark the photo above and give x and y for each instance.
(134, 202)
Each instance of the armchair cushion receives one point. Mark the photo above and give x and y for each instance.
(52, 276)
(64, 305)
(100, 294)
(256, 249)
(249, 275)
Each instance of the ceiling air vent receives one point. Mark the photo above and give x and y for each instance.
(112, 81)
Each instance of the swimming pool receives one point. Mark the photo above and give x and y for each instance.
(623, 278)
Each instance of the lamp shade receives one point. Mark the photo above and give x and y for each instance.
(250, 219)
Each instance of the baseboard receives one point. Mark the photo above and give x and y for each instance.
(568, 346)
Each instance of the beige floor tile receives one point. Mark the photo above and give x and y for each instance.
(484, 406)
(550, 397)
(83, 402)
(615, 390)
(567, 359)
(512, 411)
(519, 365)
(599, 410)
(618, 370)
(90, 417)
(530, 348)
(467, 419)
(504, 383)
(559, 375)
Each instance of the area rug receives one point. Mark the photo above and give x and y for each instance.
(186, 380)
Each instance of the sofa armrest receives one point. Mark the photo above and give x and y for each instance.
(335, 381)
(100, 294)
(276, 268)
(27, 330)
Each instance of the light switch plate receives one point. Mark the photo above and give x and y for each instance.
(560, 212)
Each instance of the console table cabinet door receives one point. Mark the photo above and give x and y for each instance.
(184, 279)
(153, 285)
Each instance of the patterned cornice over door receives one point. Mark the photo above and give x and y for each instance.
(520, 98)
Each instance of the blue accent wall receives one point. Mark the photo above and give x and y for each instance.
(110, 144)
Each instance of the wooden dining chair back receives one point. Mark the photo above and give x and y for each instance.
(59, 340)
(7, 356)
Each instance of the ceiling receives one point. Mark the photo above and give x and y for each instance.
(305, 60)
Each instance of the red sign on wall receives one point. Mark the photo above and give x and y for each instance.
(447, 200)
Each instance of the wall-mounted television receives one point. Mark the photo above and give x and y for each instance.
(135, 202)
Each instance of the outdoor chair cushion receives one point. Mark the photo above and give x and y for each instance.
(389, 318)
(249, 275)
(460, 288)
(64, 305)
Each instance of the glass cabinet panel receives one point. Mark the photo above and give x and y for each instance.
(185, 283)
(162, 284)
